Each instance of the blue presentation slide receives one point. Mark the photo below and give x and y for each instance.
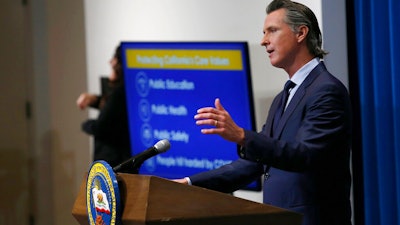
(166, 82)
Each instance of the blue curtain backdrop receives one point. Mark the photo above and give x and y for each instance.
(377, 46)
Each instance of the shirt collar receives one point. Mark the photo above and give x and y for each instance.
(303, 72)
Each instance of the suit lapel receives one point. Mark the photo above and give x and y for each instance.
(270, 118)
(296, 99)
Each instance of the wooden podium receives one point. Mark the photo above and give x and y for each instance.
(154, 200)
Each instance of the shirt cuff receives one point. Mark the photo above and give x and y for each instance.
(188, 180)
(241, 151)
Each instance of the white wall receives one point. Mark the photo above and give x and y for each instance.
(110, 21)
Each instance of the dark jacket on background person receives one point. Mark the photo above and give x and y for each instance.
(110, 130)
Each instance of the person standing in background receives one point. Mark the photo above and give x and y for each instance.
(304, 147)
(110, 130)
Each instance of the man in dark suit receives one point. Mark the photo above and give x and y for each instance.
(304, 146)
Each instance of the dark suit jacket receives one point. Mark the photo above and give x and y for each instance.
(307, 157)
(110, 130)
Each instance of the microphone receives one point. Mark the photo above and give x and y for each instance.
(134, 163)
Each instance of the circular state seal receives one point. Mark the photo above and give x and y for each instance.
(102, 195)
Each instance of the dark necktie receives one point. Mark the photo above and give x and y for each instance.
(285, 95)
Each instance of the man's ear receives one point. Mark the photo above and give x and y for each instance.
(302, 33)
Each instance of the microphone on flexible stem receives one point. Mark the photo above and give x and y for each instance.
(134, 163)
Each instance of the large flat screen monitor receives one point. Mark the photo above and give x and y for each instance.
(166, 82)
